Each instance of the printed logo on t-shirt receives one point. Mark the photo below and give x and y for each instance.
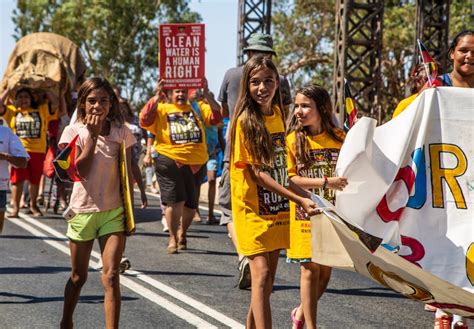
(28, 125)
(184, 128)
(271, 203)
(322, 163)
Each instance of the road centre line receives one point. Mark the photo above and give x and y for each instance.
(139, 289)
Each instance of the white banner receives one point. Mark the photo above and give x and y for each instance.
(354, 249)
(411, 183)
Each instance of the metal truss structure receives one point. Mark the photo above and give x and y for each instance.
(254, 16)
(358, 44)
(432, 28)
(358, 55)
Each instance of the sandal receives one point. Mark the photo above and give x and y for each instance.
(298, 323)
(443, 322)
(172, 250)
(182, 245)
(211, 220)
(13, 215)
(35, 212)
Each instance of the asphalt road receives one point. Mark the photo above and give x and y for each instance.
(194, 288)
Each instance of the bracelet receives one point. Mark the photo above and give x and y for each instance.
(325, 182)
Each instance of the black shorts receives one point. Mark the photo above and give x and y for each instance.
(177, 184)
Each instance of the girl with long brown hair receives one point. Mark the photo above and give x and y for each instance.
(313, 149)
(259, 182)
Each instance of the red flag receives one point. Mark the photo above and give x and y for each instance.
(351, 109)
(428, 63)
(65, 163)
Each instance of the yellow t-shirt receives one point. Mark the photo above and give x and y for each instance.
(180, 134)
(260, 217)
(31, 125)
(403, 105)
(324, 152)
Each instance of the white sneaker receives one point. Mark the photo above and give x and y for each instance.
(245, 280)
(165, 225)
(124, 264)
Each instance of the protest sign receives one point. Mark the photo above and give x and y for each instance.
(182, 55)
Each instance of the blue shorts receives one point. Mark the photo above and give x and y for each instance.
(212, 163)
(3, 200)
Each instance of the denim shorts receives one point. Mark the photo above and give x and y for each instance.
(212, 163)
(298, 260)
(225, 204)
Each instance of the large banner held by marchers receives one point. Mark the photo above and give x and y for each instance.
(411, 183)
(182, 55)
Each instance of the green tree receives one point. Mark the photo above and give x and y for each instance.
(304, 33)
(119, 39)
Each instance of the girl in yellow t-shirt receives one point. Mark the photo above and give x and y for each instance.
(259, 179)
(313, 149)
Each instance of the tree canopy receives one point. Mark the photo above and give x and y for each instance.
(304, 32)
(119, 39)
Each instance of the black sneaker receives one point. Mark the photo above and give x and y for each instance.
(245, 280)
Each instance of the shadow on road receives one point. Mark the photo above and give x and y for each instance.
(28, 299)
(369, 292)
(183, 274)
(34, 270)
(23, 237)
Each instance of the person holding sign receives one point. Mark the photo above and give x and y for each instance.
(259, 181)
(180, 142)
(96, 207)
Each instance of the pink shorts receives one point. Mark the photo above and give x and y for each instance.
(32, 172)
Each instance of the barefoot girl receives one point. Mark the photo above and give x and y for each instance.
(96, 200)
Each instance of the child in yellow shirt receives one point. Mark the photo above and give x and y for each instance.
(313, 149)
(259, 182)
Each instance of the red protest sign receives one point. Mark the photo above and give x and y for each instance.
(182, 55)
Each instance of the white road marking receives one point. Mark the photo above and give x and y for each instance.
(139, 289)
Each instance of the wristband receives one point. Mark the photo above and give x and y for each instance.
(325, 182)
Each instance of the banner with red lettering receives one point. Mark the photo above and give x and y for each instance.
(182, 54)
(411, 183)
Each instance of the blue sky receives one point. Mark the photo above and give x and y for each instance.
(220, 17)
